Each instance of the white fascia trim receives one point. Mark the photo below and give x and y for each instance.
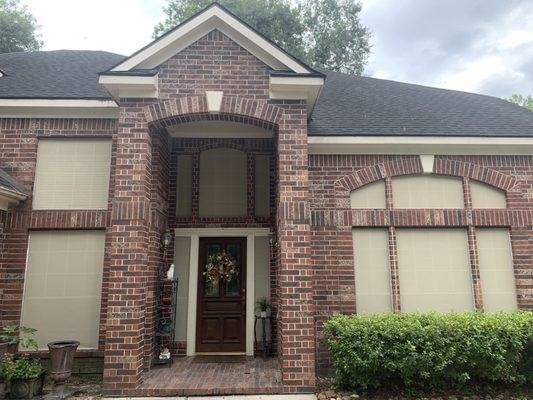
(213, 18)
(420, 145)
(130, 86)
(296, 88)
(58, 108)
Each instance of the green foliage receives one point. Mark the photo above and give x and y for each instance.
(21, 367)
(263, 304)
(335, 38)
(16, 335)
(524, 101)
(18, 28)
(431, 350)
(323, 33)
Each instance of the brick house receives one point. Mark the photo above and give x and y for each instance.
(332, 193)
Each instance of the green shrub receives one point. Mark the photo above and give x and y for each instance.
(431, 350)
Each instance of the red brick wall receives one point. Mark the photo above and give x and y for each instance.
(333, 177)
(214, 62)
(18, 152)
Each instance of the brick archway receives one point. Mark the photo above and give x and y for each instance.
(413, 166)
(194, 108)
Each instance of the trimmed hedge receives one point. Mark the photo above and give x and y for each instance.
(431, 350)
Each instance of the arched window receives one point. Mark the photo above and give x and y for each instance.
(369, 196)
(485, 196)
(223, 191)
(427, 191)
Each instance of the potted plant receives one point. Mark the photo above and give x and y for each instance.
(10, 338)
(12, 335)
(263, 305)
(24, 375)
(165, 325)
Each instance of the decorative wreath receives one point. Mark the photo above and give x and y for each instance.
(220, 266)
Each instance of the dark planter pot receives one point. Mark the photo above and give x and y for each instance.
(61, 359)
(2, 389)
(26, 388)
(7, 348)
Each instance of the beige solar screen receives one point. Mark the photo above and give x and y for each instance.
(63, 286)
(262, 185)
(72, 174)
(427, 191)
(369, 196)
(486, 196)
(372, 276)
(496, 270)
(184, 186)
(223, 185)
(434, 270)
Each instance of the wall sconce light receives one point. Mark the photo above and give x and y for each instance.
(273, 241)
(166, 239)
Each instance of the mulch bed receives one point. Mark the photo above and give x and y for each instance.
(85, 387)
(326, 391)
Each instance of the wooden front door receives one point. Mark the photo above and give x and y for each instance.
(221, 317)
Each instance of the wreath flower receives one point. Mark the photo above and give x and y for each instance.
(220, 266)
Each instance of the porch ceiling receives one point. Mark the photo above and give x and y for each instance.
(218, 129)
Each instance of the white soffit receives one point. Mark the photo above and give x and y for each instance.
(123, 86)
(218, 129)
(58, 108)
(213, 17)
(434, 145)
(297, 88)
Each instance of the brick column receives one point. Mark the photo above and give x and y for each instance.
(296, 316)
(129, 239)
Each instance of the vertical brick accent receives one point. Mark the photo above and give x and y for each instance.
(129, 239)
(296, 318)
(474, 268)
(394, 271)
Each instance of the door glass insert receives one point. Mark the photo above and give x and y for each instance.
(212, 288)
(233, 287)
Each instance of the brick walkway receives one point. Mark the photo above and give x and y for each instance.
(188, 377)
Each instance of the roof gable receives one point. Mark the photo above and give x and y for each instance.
(213, 17)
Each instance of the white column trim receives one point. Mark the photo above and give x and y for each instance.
(193, 295)
(195, 234)
(250, 293)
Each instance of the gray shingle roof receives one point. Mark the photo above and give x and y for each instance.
(357, 106)
(61, 74)
(10, 183)
(348, 105)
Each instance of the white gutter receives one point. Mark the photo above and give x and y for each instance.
(420, 145)
(58, 108)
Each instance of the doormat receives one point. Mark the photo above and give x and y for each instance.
(219, 359)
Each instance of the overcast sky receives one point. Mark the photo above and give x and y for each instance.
(484, 46)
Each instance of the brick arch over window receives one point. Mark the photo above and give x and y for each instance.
(410, 166)
(194, 108)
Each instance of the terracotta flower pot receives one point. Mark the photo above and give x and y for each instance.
(62, 359)
(26, 388)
